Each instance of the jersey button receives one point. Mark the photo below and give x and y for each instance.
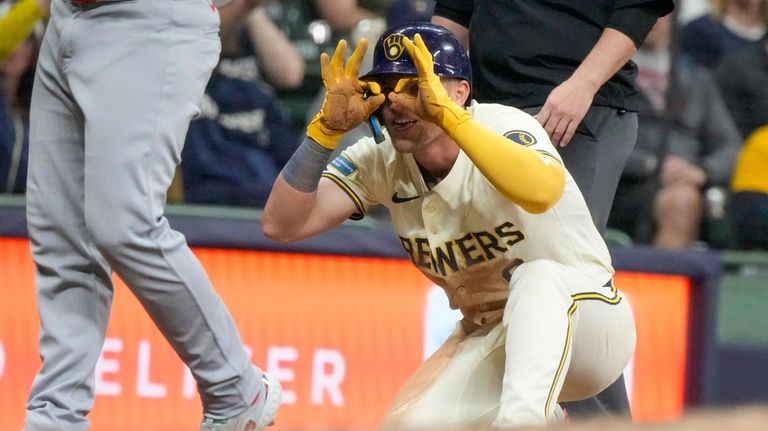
(433, 229)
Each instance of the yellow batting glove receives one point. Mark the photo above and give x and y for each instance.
(344, 107)
(432, 102)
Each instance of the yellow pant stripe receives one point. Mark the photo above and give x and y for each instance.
(563, 357)
(615, 298)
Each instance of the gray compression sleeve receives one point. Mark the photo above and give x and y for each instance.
(303, 170)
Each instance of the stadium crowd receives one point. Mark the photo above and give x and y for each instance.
(703, 80)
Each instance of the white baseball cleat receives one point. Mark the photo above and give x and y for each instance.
(257, 417)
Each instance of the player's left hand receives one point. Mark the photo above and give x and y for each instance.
(563, 111)
(431, 102)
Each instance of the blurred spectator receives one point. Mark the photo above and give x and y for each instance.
(242, 138)
(342, 15)
(404, 11)
(748, 205)
(248, 31)
(691, 9)
(314, 27)
(694, 140)
(16, 76)
(18, 21)
(743, 80)
(730, 25)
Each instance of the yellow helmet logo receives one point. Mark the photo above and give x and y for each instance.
(393, 46)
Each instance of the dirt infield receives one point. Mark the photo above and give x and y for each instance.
(748, 418)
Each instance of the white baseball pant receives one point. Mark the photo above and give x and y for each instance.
(564, 337)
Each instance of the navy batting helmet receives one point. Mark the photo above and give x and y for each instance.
(448, 55)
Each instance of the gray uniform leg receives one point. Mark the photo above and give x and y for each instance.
(74, 288)
(116, 88)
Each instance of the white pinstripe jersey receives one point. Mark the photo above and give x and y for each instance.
(463, 234)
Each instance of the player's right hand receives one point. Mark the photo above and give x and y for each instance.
(345, 106)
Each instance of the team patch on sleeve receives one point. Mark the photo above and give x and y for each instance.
(344, 165)
(521, 137)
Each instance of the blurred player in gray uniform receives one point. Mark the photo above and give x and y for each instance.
(117, 84)
(484, 207)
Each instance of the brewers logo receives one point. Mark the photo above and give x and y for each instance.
(393, 46)
(521, 137)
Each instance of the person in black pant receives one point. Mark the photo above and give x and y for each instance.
(568, 63)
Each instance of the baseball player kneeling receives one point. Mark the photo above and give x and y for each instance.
(484, 207)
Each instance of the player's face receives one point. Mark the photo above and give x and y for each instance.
(407, 130)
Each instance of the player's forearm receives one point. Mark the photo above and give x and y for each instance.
(457, 29)
(17, 25)
(612, 51)
(294, 194)
(342, 15)
(302, 204)
(532, 180)
(292, 215)
(282, 63)
(455, 16)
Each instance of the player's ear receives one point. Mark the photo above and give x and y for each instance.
(464, 90)
(459, 90)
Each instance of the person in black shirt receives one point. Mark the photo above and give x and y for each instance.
(568, 63)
